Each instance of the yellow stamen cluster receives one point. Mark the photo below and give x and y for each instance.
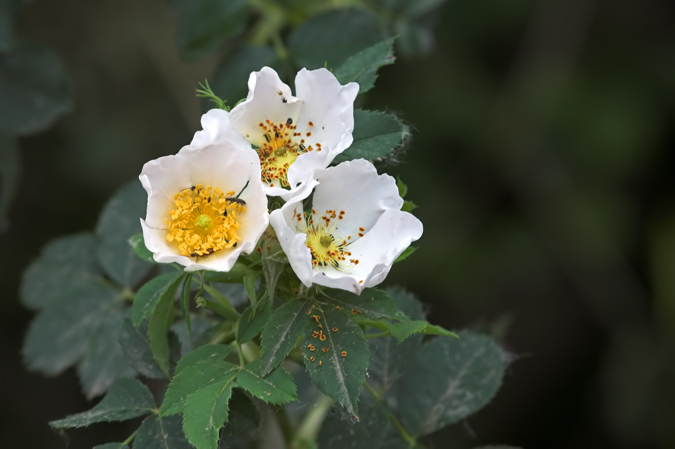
(326, 247)
(204, 221)
(283, 144)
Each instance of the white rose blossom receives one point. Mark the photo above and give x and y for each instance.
(295, 135)
(195, 215)
(355, 229)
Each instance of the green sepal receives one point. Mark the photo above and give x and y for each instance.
(408, 206)
(126, 399)
(405, 254)
(276, 388)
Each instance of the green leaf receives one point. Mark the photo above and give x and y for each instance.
(276, 388)
(151, 293)
(159, 325)
(339, 372)
(234, 276)
(62, 333)
(8, 13)
(362, 67)
(202, 353)
(65, 266)
(119, 220)
(404, 329)
(138, 244)
(451, 379)
(135, 345)
(158, 432)
(405, 254)
(406, 303)
(249, 284)
(251, 324)
(10, 171)
(229, 82)
(330, 38)
(104, 361)
(243, 423)
(368, 433)
(408, 206)
(227, 309)
(112, 446)
(185, 301)
(205, 24)
(281, 334)
(193, 378)
(127, 399)
(376, 136)
(402, 188)
(372, 303)
(33, 88)
(390, 360)
(273, 263)
(206, 412)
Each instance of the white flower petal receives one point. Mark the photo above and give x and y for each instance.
(223, 164)
(370, 201)
(216, 127)
(329, 106)
(265, 101)
(356, 188)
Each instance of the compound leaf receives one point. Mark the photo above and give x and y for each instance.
(276, 388)
(127, 399)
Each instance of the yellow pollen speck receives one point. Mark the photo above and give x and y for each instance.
(279, 151)
(326, 247)
(204, 221)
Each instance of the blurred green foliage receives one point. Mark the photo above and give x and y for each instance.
(541, 162)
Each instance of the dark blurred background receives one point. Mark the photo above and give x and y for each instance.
(542, 162)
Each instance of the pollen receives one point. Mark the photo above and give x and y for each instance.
(279, 150)
(327, 247)
(205, 220)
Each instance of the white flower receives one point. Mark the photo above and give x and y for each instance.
(353, 232)
(194, 216)
(295, 135)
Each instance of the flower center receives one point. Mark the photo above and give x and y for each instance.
(283, 144)
(325, 245)
(204, 221)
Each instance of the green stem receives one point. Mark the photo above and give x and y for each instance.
(285, 425)
(376, 394)
(380, 335)
(401, 430)
(130, 439)
(311, 423)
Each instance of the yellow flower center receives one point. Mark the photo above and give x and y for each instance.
(204, 221)
(283, 144)
(327, 248)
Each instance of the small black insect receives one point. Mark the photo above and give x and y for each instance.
(233, 199)
(289, 121)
